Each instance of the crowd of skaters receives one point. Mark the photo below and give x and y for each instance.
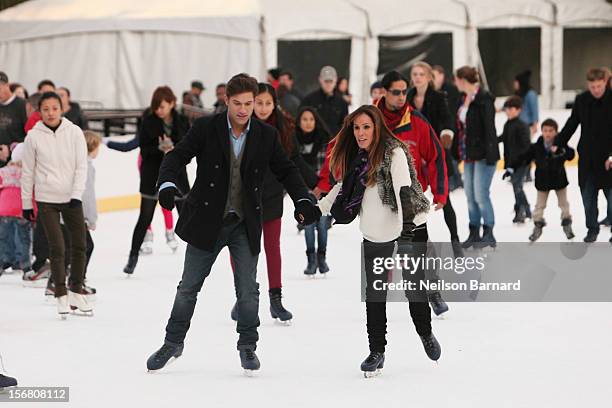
(47, 180)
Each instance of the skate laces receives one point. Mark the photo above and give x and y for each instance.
(163, 352)
(250, 354)
(428, 341)
(373, 357)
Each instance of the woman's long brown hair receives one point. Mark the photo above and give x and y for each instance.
(346, 148)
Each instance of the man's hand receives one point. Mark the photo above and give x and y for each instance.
(438, 206)
(306, 212)
(317, 192)
(74, 203)
(167, 196)
(29, 215)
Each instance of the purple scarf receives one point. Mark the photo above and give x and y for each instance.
(348, 202)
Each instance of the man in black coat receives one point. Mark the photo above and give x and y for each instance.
(329, 104)
(592, 110)
(224, 208)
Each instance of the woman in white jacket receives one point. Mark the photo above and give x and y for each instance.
(379, 184)
(54, 172)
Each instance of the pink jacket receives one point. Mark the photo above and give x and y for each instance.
(10, 191)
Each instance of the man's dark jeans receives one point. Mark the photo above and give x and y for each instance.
(197, 266)
(589, 193)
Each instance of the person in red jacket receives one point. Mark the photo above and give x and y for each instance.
(413, 129)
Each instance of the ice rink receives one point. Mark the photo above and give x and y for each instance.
(494, 354)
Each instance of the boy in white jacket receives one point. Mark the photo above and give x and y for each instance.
(54, 172)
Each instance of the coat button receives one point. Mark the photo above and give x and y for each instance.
(256, 189)
(205, 203)
(212, 184)
(257, 208)
(216, 166)
(256, 170)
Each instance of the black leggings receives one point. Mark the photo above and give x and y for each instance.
(451, 219)
(376, 306)
(147, 210)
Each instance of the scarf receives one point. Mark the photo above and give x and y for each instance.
(348, 202)
(392, 118)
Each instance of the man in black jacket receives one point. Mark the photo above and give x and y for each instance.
(329, 104)
(592, 110)
(224, 209)
(12, 116)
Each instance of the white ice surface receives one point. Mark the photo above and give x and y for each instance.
(494, 354)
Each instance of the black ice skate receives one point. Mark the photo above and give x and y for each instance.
(457, 248)
(161, 358)
(438, 305)
(277, 310)
(432, 347)
(567, 228)
(248, 360)
(7, 382)
(373, 365)
(322, 263)
(591, 236)
(131, 265)
(311, 268)
(537, 231)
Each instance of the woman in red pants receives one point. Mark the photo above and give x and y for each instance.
(267, 110)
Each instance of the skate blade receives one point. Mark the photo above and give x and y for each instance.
(323, 275)
(440, 316)
(372, 374)
(5, 390)
(63, 316)
(249, 373)
(283, 322)
(310, 276)
(84, 313)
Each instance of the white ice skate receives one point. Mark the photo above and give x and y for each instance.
(147, 245)
(80, 303)
(62, 306)
(171, 240)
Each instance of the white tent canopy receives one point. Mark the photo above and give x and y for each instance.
(118, 51)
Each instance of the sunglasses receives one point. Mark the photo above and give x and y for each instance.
(398, 92)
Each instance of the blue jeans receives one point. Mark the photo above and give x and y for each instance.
(197, 266)
(517, 179)
(309, 235)
(477, 177)
(15, 242)
(589, 193)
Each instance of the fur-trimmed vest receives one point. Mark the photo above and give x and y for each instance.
(419, 202)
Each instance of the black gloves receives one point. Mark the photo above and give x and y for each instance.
(74, 203)
(306, 212)
(167, 196)
(29, 215)
(508, 173)
(407, 232)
